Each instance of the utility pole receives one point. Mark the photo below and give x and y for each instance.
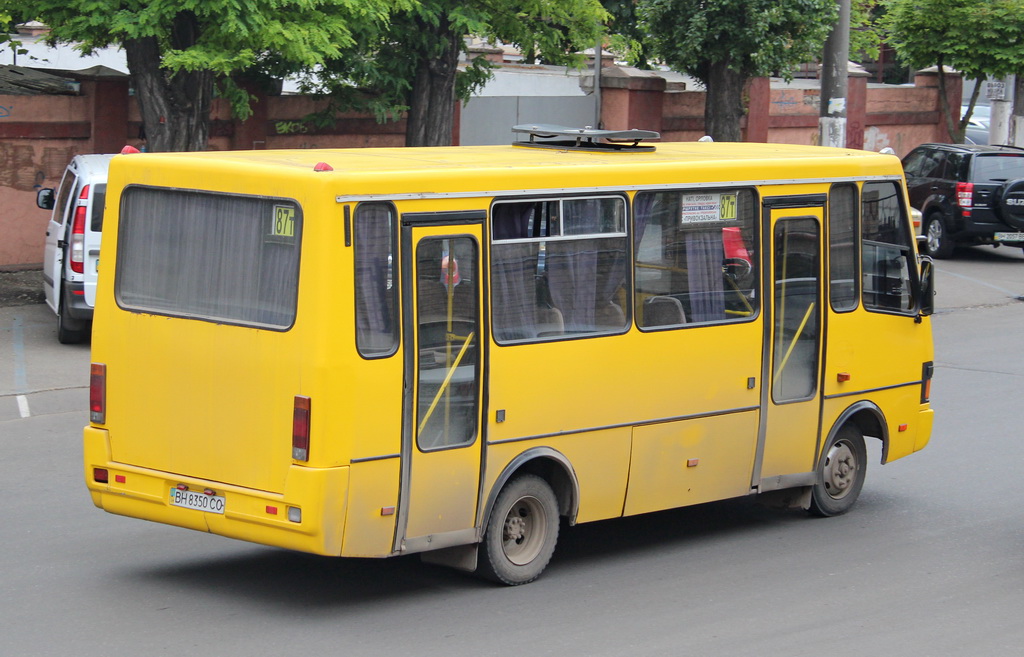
(832, 116)
(1000, 95)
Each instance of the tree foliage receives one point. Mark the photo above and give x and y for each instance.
(723, 43)
(412, 62)
(179, 51)
(979, 38)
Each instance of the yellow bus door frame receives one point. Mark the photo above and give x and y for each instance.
(790, 429)
(442, 446)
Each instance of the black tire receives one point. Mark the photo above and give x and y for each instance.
(938, 243)
(840, 475)
(521, 532)
(70, 331)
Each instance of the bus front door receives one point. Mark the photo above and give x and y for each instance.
(441, 442)
(788, 437)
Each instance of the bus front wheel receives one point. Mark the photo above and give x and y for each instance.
(840, 474)
(521, 532)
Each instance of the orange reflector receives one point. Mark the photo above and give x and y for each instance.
(120, 479)
(272, 510)
(842, 377)
(387, 510)
(903, 427)
(692, 463)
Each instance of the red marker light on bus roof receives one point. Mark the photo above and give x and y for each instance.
(300, 428)
(128, 150)
(323, 166)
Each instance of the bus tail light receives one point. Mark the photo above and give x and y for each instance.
(300, 429)
(78, 234)
(98, 393)
(927, 371)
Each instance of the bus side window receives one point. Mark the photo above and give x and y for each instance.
(695, 257)
(887, 250)
(842, 232)
(376, 289)
(558, 268)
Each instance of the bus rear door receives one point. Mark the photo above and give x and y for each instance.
(441, 442)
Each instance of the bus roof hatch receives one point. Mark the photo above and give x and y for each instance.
(543, 135)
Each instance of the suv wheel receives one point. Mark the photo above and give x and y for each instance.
(938, 242)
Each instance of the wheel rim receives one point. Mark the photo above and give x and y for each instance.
(525, 530)
(934, 235)
(840, 470)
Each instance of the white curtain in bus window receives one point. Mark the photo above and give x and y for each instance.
(376, 290)
(695, 255)
(447, 342)
(558, 268)
(842, 261)
(886, 248)
(797, 313)
(215, 257)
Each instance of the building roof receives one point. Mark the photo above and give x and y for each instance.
(21, 81)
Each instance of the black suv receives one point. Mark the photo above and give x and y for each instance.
(967, 194)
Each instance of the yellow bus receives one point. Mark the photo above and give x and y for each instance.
(448, 351)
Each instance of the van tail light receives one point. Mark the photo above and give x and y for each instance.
(300, 429)
(98, 393)
(965, 195)
(78, 233)
(927, 371)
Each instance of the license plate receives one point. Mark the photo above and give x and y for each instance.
(188, 499)
(1009, 237)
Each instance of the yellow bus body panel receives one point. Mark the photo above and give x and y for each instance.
(646, 420)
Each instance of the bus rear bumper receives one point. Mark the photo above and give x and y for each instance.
(308, 516)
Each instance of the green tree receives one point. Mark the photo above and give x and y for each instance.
(412, 62)
(724, 43)
(179, 52)
(978, 38)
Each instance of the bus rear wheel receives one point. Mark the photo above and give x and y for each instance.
(521, 532)
(840, 474)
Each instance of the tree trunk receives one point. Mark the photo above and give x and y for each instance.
(723, 108)
(175, 107)
(432, 105)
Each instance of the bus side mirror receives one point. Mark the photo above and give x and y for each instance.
(927, 286)
(44, 198)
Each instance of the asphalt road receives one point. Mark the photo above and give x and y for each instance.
(930, 562)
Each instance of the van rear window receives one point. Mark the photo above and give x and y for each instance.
(216, 257)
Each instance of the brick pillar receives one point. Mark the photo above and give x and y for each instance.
(856, 108)
(759, 91)
(631, 98)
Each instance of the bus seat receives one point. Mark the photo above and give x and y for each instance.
(663, 311)
(549, 322)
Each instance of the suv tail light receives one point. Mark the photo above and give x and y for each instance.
(98, 393)
(78, 233)
(300, 429)
(965, 195)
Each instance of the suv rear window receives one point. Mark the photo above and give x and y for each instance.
(998, 167)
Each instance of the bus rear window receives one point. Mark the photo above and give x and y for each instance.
(216, 257)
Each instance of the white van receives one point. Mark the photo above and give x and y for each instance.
(71, 256)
